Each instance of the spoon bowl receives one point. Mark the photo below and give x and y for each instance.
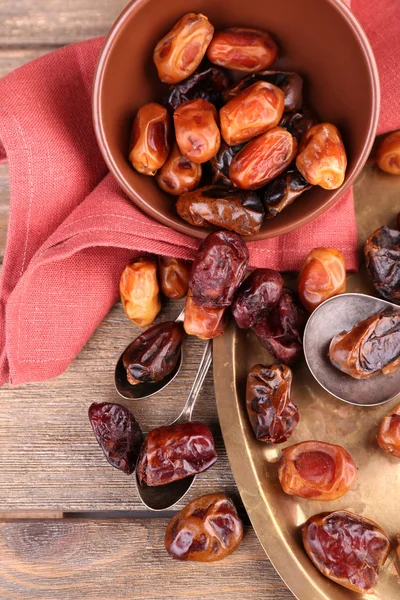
(337, 314)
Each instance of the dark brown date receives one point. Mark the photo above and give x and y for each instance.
(382, 259)
(221, 162)
(370, 348)
(322, 275)
(263, 159)
(118, 434)
(272, 414)
(222, 207)
(388, 154)
(252, 112)
(153, 354)
(258, 293)
(178, 174)
(208, 82)
(196, 130)
(347, 548)
(150, 140)
(174, 452)
(218, 269)
(204, 322)
(316, 471)
(283, 190)
(291, 85)
(173, 274)
(280, 330)
(180, 52)
(242, 49)
(389, 432)
(298, 123)
(206, 530)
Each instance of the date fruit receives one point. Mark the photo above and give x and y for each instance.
(139, 290)
(389, 432)
(388, 154)
(346, 548)
(154, 354)
(174, 452)
(117, 433)
(180, 52)
(382, 259)
(290, 83)
(263, 159)
(174, 276)
(242, 49)
(370, 348)
(252, 112)
(150, 140)
(316, 470)
(270, 408)
(196, 130)
(221, 162)
(322, 157)
(233, 209)
(280, 330)
(298, 123)
(258, 293)
(283, 190)
(206, 530)
(178, 174)
(204, 322)
(208, 82)
(322, 276)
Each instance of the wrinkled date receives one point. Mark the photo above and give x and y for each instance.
(389, 433)
(280, 330)
(150, 141)
(180, 52)
(174, 276)
(382, 259)
(291, 85)
(346, 548)
(255, 110)
(233, 209)
(196, 130)
(218, 269)
(153, 354)
(272, 414)
(316, 470)
(283, 190)
(208, 82)
(242, 49)
(258, 293)
(202, 321)
(322, 158)
(118, 434)
(370, 348)
(178, 174)
(322, 276)
(263, 159)
(388, 154)
(175, 452)
(298, 123)
(206, 530)
(221, 162)
(139, 290)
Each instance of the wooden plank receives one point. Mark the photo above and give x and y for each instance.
(124, 559)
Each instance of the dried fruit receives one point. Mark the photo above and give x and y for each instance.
(174, 276)
(140, 291)
(283, 190)
(196, 130)
(322, 276)
(178, 174)
(290, 83)
(258, 293)
(204, 322)
(388, 154)
(389, 432)
(242, 49)
(382, 259)
(298, 123)
(221, 162)
(150, 140)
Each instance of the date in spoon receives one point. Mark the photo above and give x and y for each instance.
(337, 314)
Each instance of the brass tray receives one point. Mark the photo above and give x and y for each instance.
(277, 517)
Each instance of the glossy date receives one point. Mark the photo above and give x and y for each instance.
(382, 259)
(139, 290)
(290, 83)
(298, 123)
(207, 82)
(174, 276)
(196, 130)
(178, 174)
(388, 154)
(221, 162)
(283, 190)
(150, 140)
(242, 49)
(204, 322)
(206, 530)
(322, 276)
(389, 432)
(258, 293)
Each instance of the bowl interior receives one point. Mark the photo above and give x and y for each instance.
(319, 39)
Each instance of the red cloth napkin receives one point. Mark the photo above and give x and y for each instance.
(71, 229)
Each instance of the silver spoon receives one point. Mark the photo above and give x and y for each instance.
(161, 497)
(143, 390)
(337, 314)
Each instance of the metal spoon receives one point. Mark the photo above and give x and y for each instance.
(337, 314)
(164, 496)
(143, 390)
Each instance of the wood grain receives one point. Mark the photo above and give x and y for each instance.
(121, 560)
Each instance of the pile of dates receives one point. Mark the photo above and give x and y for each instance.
(234, 152)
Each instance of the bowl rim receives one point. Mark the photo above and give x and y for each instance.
(198, 232)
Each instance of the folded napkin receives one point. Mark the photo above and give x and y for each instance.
(71, 229)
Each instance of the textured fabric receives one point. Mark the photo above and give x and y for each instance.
(71, 229)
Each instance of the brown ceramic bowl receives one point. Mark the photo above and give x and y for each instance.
(320, 39)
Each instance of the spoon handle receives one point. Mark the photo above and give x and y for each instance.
(197, 384)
